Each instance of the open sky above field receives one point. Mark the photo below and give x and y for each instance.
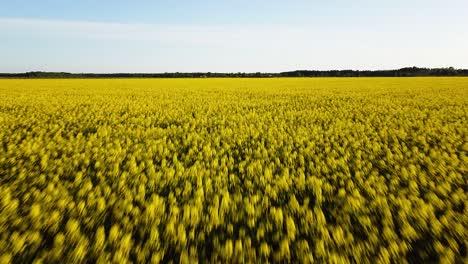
(230, 36)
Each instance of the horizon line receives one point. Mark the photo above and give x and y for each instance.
(243, 72)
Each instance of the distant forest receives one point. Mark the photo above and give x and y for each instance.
(403, 72)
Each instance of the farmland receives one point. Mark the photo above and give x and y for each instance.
(327, 170)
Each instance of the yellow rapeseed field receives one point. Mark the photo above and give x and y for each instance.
(351, 170)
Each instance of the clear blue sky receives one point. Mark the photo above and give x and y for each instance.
(230, 36)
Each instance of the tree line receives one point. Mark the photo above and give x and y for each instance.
(403, 72)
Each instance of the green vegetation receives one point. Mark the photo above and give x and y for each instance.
(403, 72)
(234, 170)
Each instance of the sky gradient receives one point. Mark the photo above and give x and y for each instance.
(230, 36)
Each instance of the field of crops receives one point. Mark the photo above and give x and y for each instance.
(369, 170)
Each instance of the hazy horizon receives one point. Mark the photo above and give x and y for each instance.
(252, 72)
(255, 36)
